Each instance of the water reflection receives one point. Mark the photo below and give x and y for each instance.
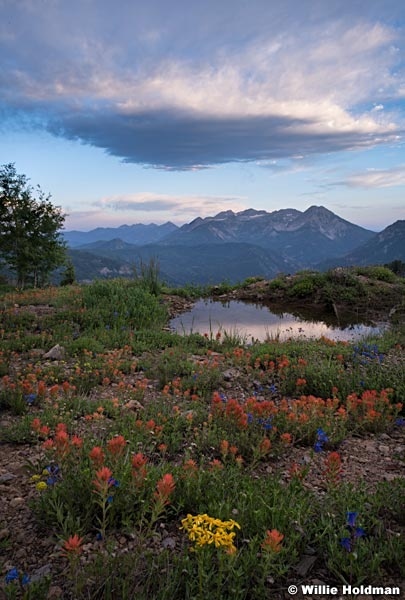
(259, 322)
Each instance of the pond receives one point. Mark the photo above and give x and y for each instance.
(259, 322)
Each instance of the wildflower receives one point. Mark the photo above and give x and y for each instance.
(296, 471)
(164, 488)
(97, 456)
(36, 424)
(224, 448)
(272, 541)
(103, 477)
(356, 533)
(138, 461)
(72, 546)
(190, 467)
(25, 579)
(321, 439)
(300, 382)
(48, 444)
(265, 446)
(30, 398)
(116, 445)
(333, 470)
(351, 518)
(41, 486)
(12, 575)
(204, 530)
(346, 543)
(76, 441)
(216, 465)
(286, 438)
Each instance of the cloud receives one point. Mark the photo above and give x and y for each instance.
(378, 178)
(195, 205)
(176, 88)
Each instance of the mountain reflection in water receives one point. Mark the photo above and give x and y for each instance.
(258, 322)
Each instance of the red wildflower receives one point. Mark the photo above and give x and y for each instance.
(164, 488)
(97, 456)
(103, 479)
(272, 541)
(116, 445)
(72, 546)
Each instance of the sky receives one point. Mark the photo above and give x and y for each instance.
(127, 111)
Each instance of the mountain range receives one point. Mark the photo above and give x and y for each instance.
(232, 246)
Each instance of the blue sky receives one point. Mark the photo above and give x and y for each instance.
(127, 111)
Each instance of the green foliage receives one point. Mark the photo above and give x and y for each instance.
(378, 272)
(68, 277)
(29, 240)
(147, 275)
(397, 267)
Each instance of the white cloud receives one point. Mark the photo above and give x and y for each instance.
(378, 178)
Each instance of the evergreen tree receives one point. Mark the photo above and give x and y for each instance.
(30, 243)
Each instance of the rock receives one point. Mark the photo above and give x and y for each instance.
(384, 449)
(230, 374)
(169, 542)
(16, 502)
(41, 572)
(55, 353)
(6, 477)
(305, 565)
(133, 405)
(54, 592)
(4, 534)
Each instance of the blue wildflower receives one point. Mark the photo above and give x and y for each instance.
(359, 532)
(346, 543)
(25, 580)
(400, 422)
(273, 388)
(250, 418)
(12, 575)
(321, 435)
(318, 446)
(351, 518)
(321, 439)
(30, 398)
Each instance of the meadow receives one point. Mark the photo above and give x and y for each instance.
(141, 464)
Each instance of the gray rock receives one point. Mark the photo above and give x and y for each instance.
(6, 477)
(55, 353)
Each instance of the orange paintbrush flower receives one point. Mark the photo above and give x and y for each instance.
(116, 445)
(164, 488)
(97, 456)
(103, 479)
(272, 541)
(72, 546)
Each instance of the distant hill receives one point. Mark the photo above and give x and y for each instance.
(138, 234)
(204, 264)
(383, 247)
(90, 266)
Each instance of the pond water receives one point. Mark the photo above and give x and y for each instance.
(258, 322)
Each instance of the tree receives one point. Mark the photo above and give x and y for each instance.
(30, 243)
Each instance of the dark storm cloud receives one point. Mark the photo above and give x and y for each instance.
(186, 85)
